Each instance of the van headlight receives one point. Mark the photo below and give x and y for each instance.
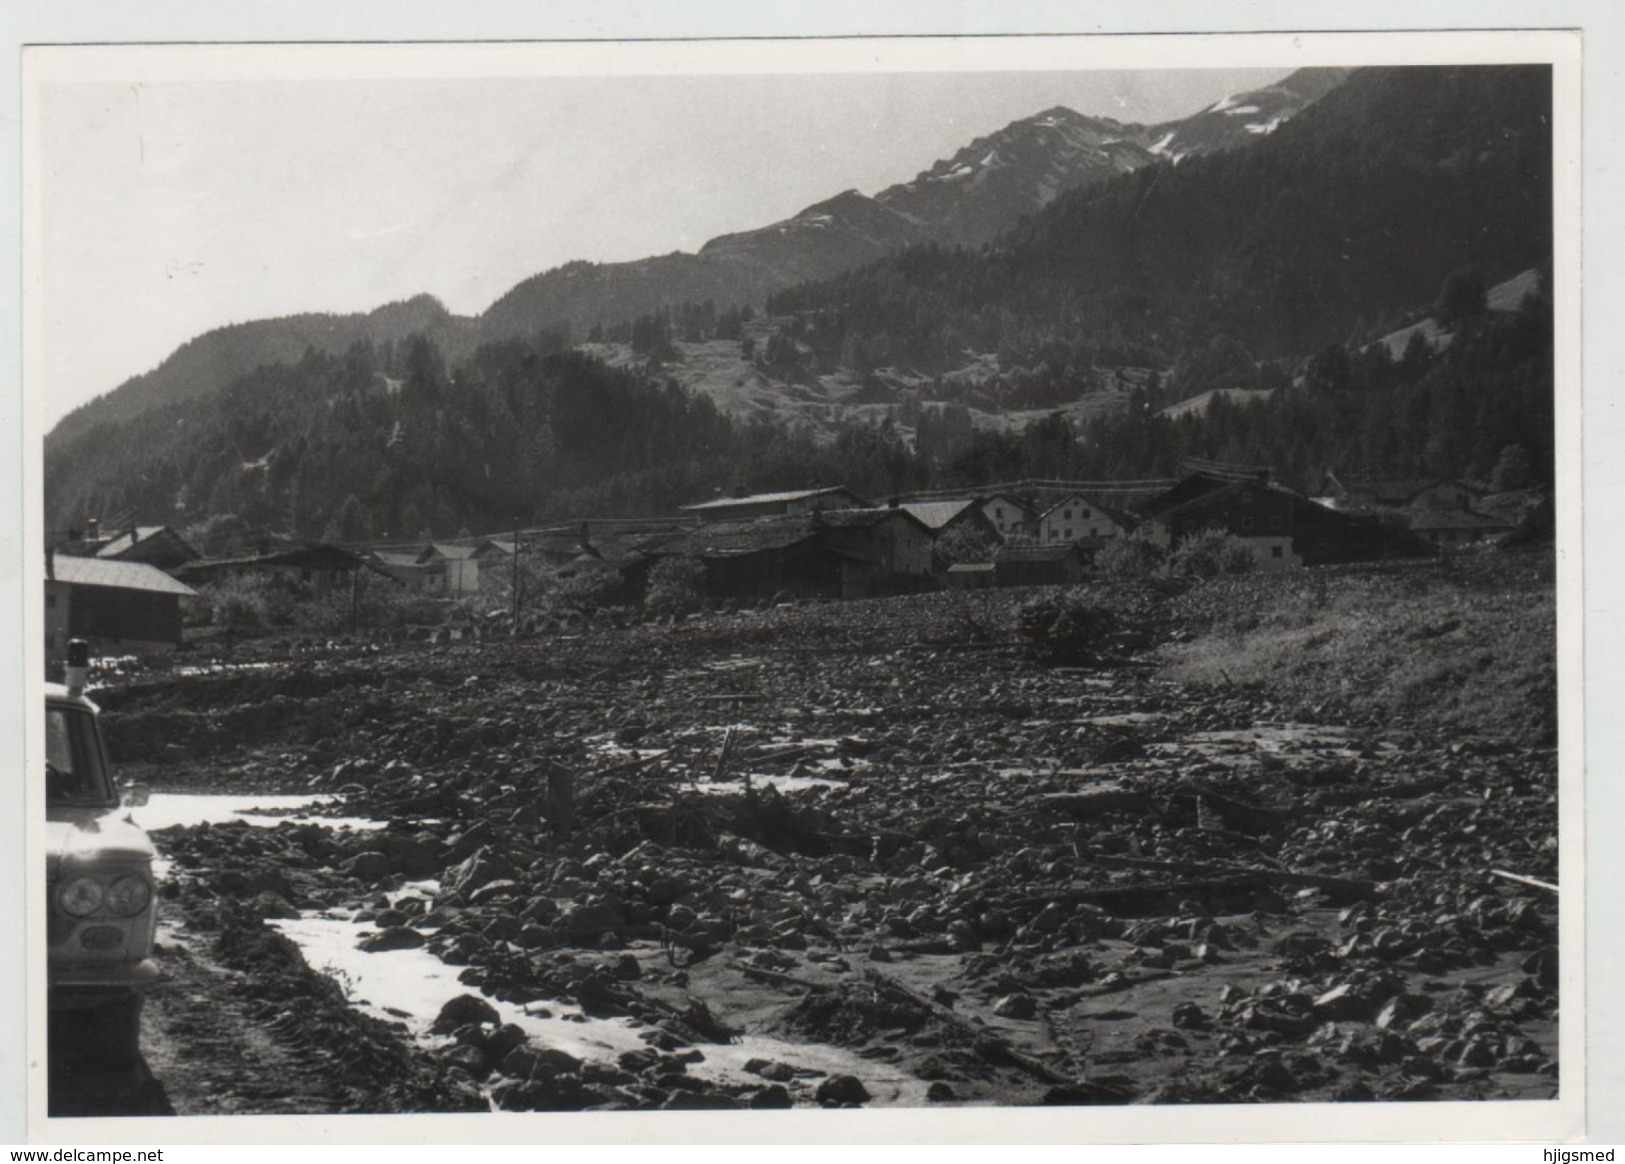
(80, 897)
(128, 896)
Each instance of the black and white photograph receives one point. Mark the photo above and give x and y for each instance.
(790, 577)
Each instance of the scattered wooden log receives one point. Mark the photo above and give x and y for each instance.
(1103, 798)
(776, 977)
(1109, 895)
(1522, 880)
(1342, 885)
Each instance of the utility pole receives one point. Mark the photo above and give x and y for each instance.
(513, 629)
(355, 598)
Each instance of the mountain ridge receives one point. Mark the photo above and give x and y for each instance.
(830, 236)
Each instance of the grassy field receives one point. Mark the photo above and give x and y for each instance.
(1467, 646)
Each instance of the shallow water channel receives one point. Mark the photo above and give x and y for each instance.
(411, 985)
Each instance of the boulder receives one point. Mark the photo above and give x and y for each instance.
(841, 1091)
(371, 866)
(465, 1008)
(392, 938)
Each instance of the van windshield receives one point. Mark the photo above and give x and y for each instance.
(75, 770)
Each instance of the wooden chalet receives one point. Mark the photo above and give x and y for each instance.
(1284, 528)
(118, 607)
(318, 568)
(1040, 565)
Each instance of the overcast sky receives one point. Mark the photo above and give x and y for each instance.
(170, 207)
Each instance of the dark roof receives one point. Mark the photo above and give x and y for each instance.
(1456, 519)
(1202, 488)
(733, 538)
(783, 498)
(1054, 553)
(116, 575)
(317, 557)
(866, 518)
(1393, 490)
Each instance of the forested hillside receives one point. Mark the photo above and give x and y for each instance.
(1337, 224)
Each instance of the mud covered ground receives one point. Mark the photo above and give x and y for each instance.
(885, 852)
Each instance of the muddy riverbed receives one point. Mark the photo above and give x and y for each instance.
(878, 854)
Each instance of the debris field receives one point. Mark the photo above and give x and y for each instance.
(908, 855)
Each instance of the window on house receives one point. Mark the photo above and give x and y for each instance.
(1275, 551)
(304, 575)
(1068, 533)
(1094, 531)
(1084, 512)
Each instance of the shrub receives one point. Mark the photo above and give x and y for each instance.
(1130, 558)
(676, 586)
(1063, 628)
(1211, 553)
(963, 543)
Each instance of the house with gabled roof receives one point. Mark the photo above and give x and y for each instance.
(319, 568)
(1283, 527)
(950, 514)
(1007, 515)
(1075, 517)
(118, 607)
(450, 569)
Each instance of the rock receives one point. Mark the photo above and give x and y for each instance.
(533, 937)
(590, 919)
(841, 1091)
(503, 1041)
(274, 905)
(371, 866)
(480, 868)
(1342, 1001)
(700, 1101)
(940, 1092)
(465, 845)
(1016, 1006)
(773, 1097)
(493, 890)
(465, 1008)
(527, 1060)
(878, 953)
(231, 882)
(1188, 1016)
(627, 968)
(470, 1059)
(771, 1069)
(392, 938)
(410, 857)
